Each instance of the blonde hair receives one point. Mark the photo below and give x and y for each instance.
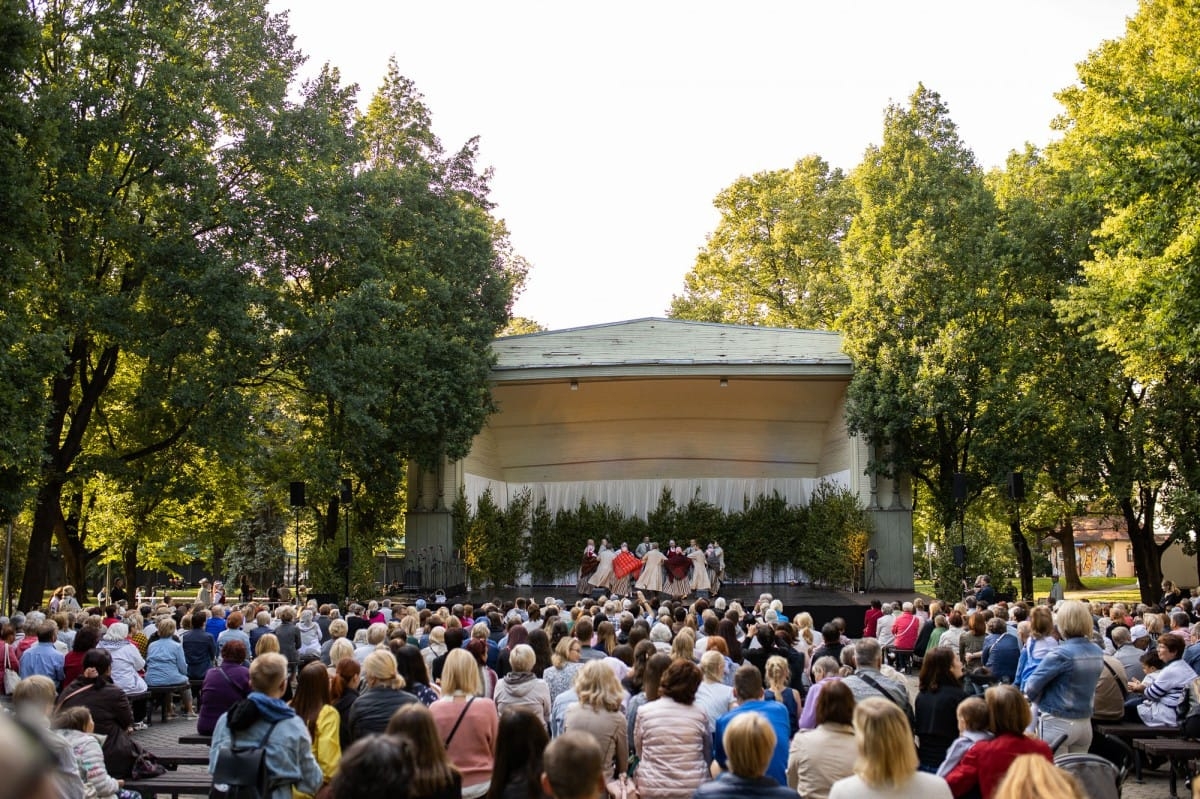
(804, 626)
(268, 671)
(1034, 777)
(684, 646)
(1074, 619)
(166, 627)
(460, 673)
(886, 754)
(562, 652)
(597, 687)
(379, 668)
(522, 658)
(777, 673)
(749, 743)
(712, 665)
(340, 648)
(267, 644)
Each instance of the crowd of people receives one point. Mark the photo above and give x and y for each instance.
(633, 696)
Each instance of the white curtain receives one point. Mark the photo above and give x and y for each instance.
(639, 497)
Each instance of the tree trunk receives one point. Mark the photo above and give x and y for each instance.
(1024, 556)
(1147, 557)
(129, 562)
(329, 522)
(47, 519)
(71, 542)
(1066, 539)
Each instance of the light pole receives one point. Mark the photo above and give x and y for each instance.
(297, 502)
(347, 499)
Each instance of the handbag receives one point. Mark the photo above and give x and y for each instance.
(622, 788)
(11, 676)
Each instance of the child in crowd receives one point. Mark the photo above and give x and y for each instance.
(972, 727)
(76, 726)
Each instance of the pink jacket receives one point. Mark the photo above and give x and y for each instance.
(674, 748)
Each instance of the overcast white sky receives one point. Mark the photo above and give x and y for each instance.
(611, 126)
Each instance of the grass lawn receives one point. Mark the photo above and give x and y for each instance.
(1098, 589)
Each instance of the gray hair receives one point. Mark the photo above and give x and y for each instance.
(868, 652)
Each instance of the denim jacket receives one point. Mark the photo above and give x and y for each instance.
(1064, 683)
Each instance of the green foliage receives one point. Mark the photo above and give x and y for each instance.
(257, 550)
(325, 577)
(826, 538)
(495, 541)
(774, 258)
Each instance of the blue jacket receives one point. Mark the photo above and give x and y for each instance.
(290, 759)
(1064, 683)
(731, 786)
(1000, 654)
(165, 663)
(777, 715)
(200, 651)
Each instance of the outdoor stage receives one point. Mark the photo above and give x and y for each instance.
(822, 604)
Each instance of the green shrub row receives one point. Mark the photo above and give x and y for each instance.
(826, 538)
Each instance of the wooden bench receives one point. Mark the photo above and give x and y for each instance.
(1129, 734)
(173, 783)
(165, 696)
(1176, 750)
(206, 740)
(174, 756)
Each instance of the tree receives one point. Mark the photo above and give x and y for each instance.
(400, 283)
(1131, 129)
(925, 322)
(28, 355)
(156, 122)
(774, 258)
(520, 326)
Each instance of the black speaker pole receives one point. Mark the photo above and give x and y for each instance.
(960, 499)
(347, 499)
(297, 501)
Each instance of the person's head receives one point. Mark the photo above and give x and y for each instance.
(312, 693)
(886, 755)
(1034, 777)
(835, 704)
(100, 660)
(973, 715)
(1074, 619)
(568, 650)
(26, 763)
(573, 767)
(652, 676)
(940, 667)
(712, 665)
(340, 648)
(379, 670)
(166, 627)
(460, 674)
(597, 687)
(824, 666)
(1041, 621)
(521, 741)
(34, 696)
(233, 651)
(777, 673)
(521, 658)
(1120, 636)
(268, 673)
(85, 639)
(268, 643)
(235, 620)
(680, 681)
(1008, 711)
(338, 628)
(76, 718)
(868, 653)
(378, 765)
(749, 744)
(117, 632)
(1170, 647)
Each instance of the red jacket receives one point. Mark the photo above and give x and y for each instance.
(869, 622)
(985, 763)
(906, 628)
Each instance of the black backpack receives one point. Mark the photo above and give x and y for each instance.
(241, 771)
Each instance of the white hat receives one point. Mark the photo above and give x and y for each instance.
(1138, 632)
